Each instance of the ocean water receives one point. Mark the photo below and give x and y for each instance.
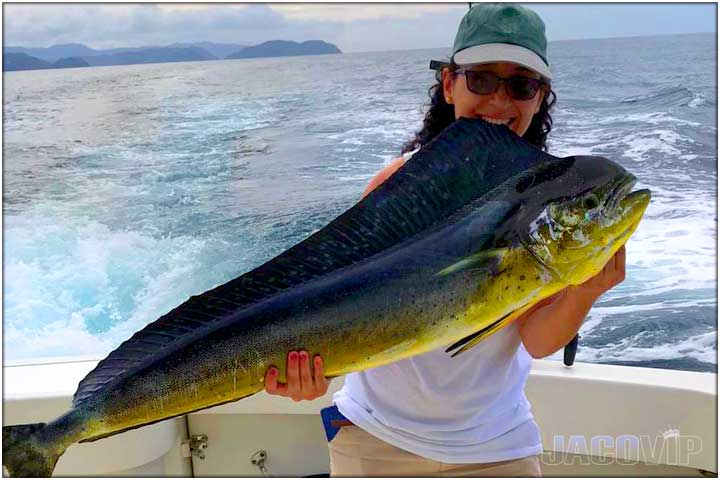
(129, 188)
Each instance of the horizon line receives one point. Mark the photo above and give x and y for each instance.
(549, 41)
(358, 51)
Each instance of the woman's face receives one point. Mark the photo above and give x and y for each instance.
(498, 106)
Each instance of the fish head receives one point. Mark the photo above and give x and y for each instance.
(583, 217)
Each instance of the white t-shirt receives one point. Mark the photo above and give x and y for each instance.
(467, 409)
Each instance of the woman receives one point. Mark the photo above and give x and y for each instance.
(464, 416)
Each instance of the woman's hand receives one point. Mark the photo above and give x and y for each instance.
(301, 384)
(611, 275)
(549, 327)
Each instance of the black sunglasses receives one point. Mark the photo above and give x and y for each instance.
(485, 83)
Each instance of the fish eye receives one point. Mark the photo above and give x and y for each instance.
(590, 203)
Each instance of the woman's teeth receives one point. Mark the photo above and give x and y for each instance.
(496, 121)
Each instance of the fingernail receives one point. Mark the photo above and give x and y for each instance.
(318, 361)
(303, 355)
(293, 355)
(273, 371)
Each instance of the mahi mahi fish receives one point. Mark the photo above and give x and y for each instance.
(466, 236)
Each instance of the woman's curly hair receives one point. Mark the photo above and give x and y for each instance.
(440, 115)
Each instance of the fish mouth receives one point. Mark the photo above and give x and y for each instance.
(636, 202)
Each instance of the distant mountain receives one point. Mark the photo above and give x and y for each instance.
(77, 55)
(220, 50)
(70, 62)
(23, 61)
(56, 52)
(111, 51)
(284, 48)
(151, 55)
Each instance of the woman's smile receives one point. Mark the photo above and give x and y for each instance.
(496, 121)
(498, 107)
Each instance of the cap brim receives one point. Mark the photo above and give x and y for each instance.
(502, 52)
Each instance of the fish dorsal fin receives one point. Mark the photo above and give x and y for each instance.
(464, 162)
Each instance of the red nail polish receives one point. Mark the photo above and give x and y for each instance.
(303, 355)
(293, 356)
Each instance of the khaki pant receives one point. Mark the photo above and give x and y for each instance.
(356, 453)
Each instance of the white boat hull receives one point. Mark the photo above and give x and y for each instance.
(595, 420)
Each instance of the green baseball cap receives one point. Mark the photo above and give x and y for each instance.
(502, 32)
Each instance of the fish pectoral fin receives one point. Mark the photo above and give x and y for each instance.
(487, 259)
(472, 340)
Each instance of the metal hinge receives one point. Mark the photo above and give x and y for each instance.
(194, 447)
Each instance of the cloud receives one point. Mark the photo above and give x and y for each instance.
(346, 13)
(119, 25)
(353, 27)
(253, 17)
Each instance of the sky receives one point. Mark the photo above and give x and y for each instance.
(352, 27)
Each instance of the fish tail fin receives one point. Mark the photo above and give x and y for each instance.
(25, 454)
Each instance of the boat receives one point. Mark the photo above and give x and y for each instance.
(595, 419)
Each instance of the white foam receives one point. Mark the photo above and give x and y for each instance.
(87, 278)
(661, 141)
(652, 118)
(355, 178)
(591, 134)
(701, 347)
(698, 100)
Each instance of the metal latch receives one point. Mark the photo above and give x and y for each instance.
(195, 446)
(258, 459)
